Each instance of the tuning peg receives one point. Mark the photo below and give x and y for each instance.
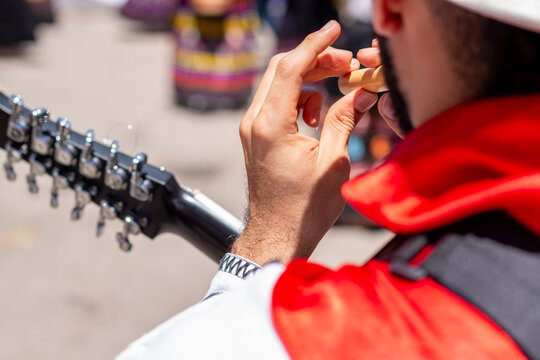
(64, 131)
(140, 188)
(13, 155)
(37, 168)
(82, 197)
(41, 144)
(115, 176)
(17, 104)
(131, 227)
(11, 175)
(17, 133)
(17, 129)
(107, 212)
(89, 140)
(33, 187)
(89, 166)
(59, 182)
(64, 152)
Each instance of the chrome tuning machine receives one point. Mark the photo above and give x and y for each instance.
(60, 182)
(89, 165)
(140, 188)
(17, 133)
(82, 197)
(64, 152)
(37, 168)
(13, 155)
(18, 129)
(131, 227)
(115, 176)
(42, 144)
(107, 211)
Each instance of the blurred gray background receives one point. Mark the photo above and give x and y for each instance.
(65, 293)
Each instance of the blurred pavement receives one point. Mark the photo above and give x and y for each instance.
(65, 293)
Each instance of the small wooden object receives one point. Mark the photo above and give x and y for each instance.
(369, 79)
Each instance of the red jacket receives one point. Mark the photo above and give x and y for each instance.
(474, 158)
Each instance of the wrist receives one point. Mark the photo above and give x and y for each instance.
(263, 244)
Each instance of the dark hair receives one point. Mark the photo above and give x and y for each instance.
(492, 58)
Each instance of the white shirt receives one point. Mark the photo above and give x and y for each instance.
(233, 321)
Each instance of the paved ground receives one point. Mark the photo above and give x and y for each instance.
(66, 294)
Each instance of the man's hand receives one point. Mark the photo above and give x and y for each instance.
(294, 181)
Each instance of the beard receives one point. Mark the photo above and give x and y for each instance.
(398, 100)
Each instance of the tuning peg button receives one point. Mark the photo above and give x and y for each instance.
(11, 175)
(64, 152)
(123, 242)
(107, 212)
(13, 155)
(82, 197)
(37, 168)
(131, 227)
(42, 144)
(115, 176)
(140, 188)
(18, 127)
(59, 182)
(89, 165)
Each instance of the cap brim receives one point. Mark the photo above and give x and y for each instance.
(524, 14)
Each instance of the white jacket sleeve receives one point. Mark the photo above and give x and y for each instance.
(233, 321)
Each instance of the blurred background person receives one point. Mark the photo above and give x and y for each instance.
(216, 58)
(41, 11)
(300, 18)
(18, 19)
(16, 24)
(157, 13)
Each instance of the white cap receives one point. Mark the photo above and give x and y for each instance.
(520, 13)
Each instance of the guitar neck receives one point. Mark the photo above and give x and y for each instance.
(202, 222)
(145, 198)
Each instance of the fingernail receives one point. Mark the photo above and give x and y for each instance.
(364, 101)
(316, 119)
(372, 50)
(329, 25)
(388, 108)
(355, 64)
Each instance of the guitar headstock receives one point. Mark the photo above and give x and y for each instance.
(145, 198)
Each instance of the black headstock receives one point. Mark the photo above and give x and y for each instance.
(147, 199)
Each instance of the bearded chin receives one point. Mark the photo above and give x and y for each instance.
(398, 100)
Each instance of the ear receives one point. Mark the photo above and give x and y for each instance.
(387, 16)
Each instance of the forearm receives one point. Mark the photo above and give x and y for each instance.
(264, 243)
(261, 247)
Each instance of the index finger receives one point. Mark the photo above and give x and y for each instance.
(331, 63)
(286, 87)
(369, 57)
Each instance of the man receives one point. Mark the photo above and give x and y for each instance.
(462, 190)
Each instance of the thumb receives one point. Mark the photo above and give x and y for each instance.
(341, 120)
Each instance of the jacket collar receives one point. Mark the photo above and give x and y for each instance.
(473, 158)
